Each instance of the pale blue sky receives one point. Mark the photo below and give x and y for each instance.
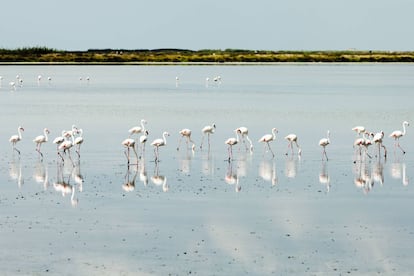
(214, 24)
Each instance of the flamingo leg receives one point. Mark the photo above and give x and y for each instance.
(136, 155)
(398, 145)
(202, 140)
(268, 145)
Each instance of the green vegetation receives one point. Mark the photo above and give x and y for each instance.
(121, 56)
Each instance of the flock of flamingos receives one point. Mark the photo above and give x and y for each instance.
(73, 139)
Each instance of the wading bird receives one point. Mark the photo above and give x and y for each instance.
(160, 142)
(323, 143)
(359, 130)
(397, 134)
(244, 133)
(231, 142)
(187, 134)
(39, 140)
(378, 140)
(293, 138)
(268, 138)
(129, 143)
(207, 130)
(138, 129)
(16, 138)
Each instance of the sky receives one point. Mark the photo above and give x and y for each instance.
(215, 24)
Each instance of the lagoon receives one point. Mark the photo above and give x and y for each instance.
(194, 212)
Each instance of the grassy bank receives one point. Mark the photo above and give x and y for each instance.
(46, 55)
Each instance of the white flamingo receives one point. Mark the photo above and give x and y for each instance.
(66, 145)
(359, 130)
(160, 142)
(185, 132)
(323, 143)
(244, 132)
(129, 143)
(231, 142)
(268, 138)
(16, 138)
(39, 140)
(397, 134)
(78, 141)
(293, 138)
(378, 137)
(143, 140)
(207, 130)
(138, 129)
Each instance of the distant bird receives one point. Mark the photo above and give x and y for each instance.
(244, 132)
(78, 140)
(160, 142)
(129, 143)
(138, 129)
(12, 85)
(359, 130)
(185, 132)
(231, 142)
(207, 130)
(16, 138)
(268, 138)
(397, 134)
(293, 138)
(323, 143)
(39, 140)
(378, 137)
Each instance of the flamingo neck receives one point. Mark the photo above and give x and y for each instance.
(164, 138)
(274, 133)
(19, 131)
(45, 133)
(143, 125)
(404, 128)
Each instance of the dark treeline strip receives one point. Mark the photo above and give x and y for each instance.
(47, 55)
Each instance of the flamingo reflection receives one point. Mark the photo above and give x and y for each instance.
(185, 161)
(377, 172)
(63, 186)
(398, 171)
(232, 178)
(143, 177)
(362, 177)
(129, 184)
(41, 174)
(291, 164)
(15, 172)
(159, 180)
(324, 178)
(267, 171)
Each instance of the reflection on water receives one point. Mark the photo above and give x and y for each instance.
(378, 172)
(15, 172)
(41, 175)
(324, 178)
(398, 171)
(158, 179)
(184, 160)
(231, 177)
(207, 163)
(267, 171)
(291, 165)
(143, 177)
(129, 183)
(63, 185)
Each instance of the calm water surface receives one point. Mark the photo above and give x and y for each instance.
(194, 212)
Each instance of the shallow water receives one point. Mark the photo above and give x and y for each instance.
(194, 212)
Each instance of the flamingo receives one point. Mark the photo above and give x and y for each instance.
(359, 130)
(138, 129)
(378, 140)
(39, 140)
(207, 130)
(68, 133)
(397, 134)
(66, 145)
(293, 138)
(323, 143)
(244, 132)
(185, 132)
(268, 138)
(16, 138)
(129, 143)
(160, 142)
(78, 141)
(364, 142)
(231, 142)
(143, 140)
